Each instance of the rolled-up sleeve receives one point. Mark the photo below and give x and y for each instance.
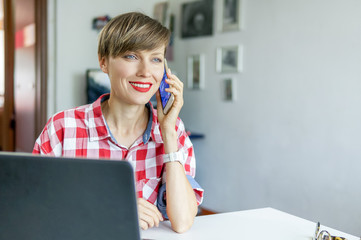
(161, 201)
(185, 144)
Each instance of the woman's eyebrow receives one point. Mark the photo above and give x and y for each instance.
(157, 53)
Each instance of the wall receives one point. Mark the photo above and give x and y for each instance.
(292, 139)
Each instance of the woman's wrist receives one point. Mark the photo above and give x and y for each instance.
(170, 141)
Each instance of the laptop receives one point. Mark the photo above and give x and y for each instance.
(43, 198)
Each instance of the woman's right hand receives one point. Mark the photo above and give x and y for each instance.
(149, 215)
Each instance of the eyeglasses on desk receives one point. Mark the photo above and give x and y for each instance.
(325, 235)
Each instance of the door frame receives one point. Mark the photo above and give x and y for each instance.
(9, 125)
(8, 121)
(41, 22)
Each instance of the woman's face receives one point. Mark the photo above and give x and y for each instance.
(135, 76)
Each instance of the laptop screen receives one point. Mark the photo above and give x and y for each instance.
(66, 198)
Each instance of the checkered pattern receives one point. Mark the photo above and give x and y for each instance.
(82, 132)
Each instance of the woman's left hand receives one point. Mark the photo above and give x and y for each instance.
(168, 121)
(181, 200)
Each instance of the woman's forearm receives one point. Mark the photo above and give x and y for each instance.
(181, 200)
(180, 197)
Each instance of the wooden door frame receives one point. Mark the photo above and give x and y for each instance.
(8, 130)
(9, 125)
(41, 21)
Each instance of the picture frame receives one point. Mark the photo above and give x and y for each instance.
(229, 59)
(231, 15)
(229, 90)
(197, 19)
(99, 22)
(195, 72)
(161, 12)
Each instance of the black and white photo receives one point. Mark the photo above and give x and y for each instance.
(229, 90)
(195, 65)
(231, 20)
(197, 19)
(229, 59)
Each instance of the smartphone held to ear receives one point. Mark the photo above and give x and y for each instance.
(166, 97)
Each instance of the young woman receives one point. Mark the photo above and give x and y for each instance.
(123, 125)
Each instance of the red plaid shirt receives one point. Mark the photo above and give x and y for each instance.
(82, 132)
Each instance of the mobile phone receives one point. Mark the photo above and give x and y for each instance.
(166, 97)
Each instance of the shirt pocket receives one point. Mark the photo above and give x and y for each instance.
(148, 189)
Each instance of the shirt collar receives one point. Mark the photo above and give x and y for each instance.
(98, 128)
(97, 125)
(148, 130)
(155, 131)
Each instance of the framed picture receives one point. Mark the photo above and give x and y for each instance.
(195, 73)
(229, 59)
(161, 12)
(231, 17)
(100, 22)
(197, 18)
(229, 90)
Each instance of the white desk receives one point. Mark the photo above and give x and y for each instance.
(265, 223)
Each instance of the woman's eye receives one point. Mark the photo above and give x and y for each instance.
(130, 56)
(157, 60)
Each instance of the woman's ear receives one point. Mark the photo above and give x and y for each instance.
(103, 64)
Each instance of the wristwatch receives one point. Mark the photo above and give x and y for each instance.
(174, 157)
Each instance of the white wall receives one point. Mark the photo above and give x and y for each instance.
(292, 140)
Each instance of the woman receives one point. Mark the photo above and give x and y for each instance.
(124, 125)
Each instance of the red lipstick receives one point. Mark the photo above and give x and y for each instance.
(141, 86)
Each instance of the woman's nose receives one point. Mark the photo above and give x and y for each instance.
(144, 69)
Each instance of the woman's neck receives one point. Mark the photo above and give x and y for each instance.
(126, 122)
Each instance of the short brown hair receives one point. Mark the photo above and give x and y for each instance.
(131, 32)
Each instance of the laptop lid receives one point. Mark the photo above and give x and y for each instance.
(66, 198)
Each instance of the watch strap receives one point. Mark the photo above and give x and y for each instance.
(174, 157)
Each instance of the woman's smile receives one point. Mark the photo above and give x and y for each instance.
(141, 86)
